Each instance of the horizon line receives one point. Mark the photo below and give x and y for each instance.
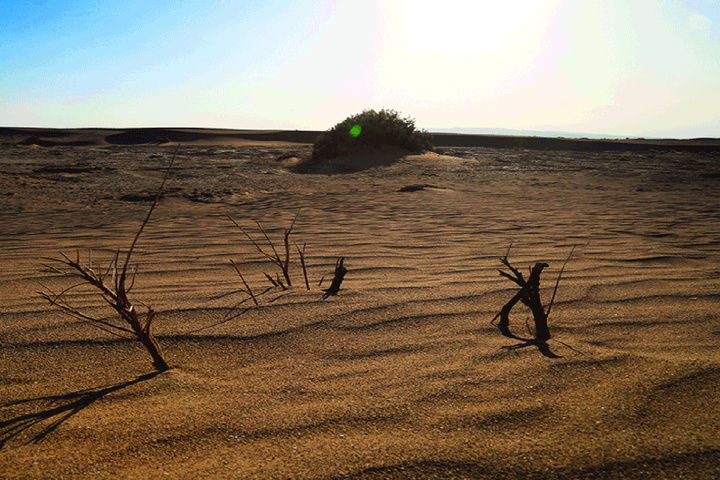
(482, 131)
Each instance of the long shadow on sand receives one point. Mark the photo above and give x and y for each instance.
(699, 464)
(541, 345)
(61, 408)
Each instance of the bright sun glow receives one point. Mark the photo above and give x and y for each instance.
(463, 28)
(464, 51)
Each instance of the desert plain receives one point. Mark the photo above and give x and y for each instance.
(399, 376)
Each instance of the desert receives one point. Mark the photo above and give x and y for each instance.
(401, 375)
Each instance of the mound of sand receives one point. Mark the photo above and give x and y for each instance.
(371, 159)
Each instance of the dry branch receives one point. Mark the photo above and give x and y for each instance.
(283, 263)
(301, 253)
(552, 300)
(248, 290)
(340, 272)
(114, 293)
(529, 295)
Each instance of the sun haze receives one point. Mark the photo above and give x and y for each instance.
(641, 68)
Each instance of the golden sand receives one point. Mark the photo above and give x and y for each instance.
(401, 375)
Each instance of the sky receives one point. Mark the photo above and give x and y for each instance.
(648, 68)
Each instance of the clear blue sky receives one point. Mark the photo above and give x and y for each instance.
(616, 67)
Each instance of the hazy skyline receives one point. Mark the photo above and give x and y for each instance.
(642, 68)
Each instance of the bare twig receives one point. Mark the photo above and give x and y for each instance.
(115, 293)
(552, 300)
(147, 219)
(282, 262)
(340, 272)
(272, 280)
(247, 287)
(529, 294)
(301, 253)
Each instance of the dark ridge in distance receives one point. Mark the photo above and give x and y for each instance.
(49, 137)
(580, 145)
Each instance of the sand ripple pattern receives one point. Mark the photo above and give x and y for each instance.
(401, 375)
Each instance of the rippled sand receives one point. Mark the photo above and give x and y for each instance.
(399, 376)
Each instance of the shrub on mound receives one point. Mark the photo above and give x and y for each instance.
(371, 130)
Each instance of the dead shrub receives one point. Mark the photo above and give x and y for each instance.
(113, 285)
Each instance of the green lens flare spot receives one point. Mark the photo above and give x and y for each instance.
(355, 131)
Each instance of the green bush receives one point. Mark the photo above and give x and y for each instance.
(370, 130)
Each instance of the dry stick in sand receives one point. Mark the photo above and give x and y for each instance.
(302, 263)
(115, 293)
(529, 294)
(248, 290)
(275, 283)
(274, 257)
(340, 272)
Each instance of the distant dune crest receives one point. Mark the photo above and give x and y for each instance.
(48, 137)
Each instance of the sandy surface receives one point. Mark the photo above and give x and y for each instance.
(399, 376)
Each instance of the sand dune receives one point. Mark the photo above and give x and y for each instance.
(399, 376)
(51, 137)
